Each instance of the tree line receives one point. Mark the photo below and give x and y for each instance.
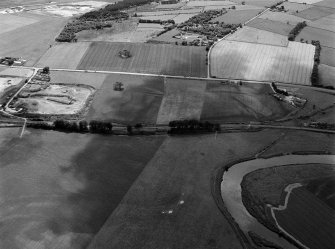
(315, 73)
(296, 30)
(192, 126)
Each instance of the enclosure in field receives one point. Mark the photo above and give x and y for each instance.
(146, 58)
(240, 60)
(242, 103)
(250, 34)
(271, 26)
(138, 102)
(237, 16)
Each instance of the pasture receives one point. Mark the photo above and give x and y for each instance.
(139, 102)
(328, 56)
(253, 35)
(64, 55)
(318, 228)
(271, 26)
(327, 75)
(17, 72)
(315, 13)
(300, 141)
(31, 41)
(183, 99)
(325, 37)
(171, 203)
(237, 16)
(240, 60)
(60, 188)
(146, 58)
(234, 103)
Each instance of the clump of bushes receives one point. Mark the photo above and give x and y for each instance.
(296, 30)
(315, 72)
(201, 24)
(97, 19)
(192, 126)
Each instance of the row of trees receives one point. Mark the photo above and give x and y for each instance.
(156, 21)
(315, 72)
(192, 126)
(74, 126)
(296, 30)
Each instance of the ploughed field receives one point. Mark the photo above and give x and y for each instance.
(58, 189)
(249, 61)
(146, 58)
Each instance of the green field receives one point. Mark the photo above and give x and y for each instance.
(139, 102)
(146, 58)
(171, 203)
(237, 16)
(58, 189)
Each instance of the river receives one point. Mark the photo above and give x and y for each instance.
(231, 191)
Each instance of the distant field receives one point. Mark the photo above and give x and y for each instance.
(199, 3)
(305, 1)
(183, 17)
(139, 102)
(11, 22)
(282, 17)
(325, 37)
(260, 3)
(249, 102)
(168, 37)
(66, 55)
(271, 26)
(249, 34)
(327, 23)
(239, 60)
(146, 58)
(92, 79)
(58, 188)
(315, 13)
(183, 99)
(293, 7)
(31, 41)
(326, 3)
(318, 228)
(237, 16)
